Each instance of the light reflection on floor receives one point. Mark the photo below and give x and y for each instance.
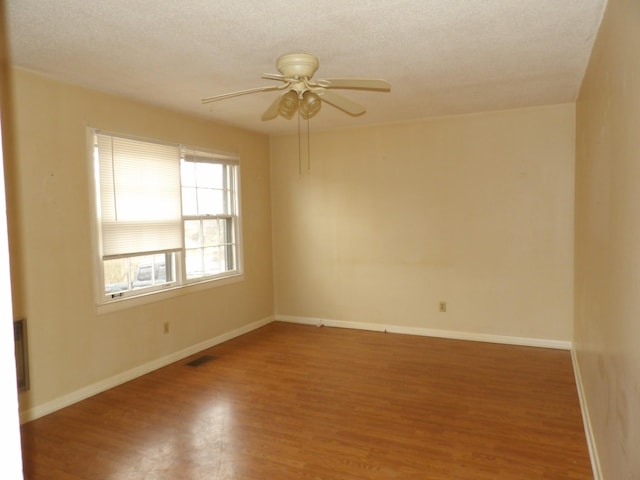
(207, 452)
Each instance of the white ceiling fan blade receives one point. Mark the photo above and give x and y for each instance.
(343, 103)
(356, 84)
(272, 112)
(274, 76)
(215, 98)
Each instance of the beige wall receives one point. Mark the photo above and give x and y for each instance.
(607, 282)
(475, 210)
(10, 454)
(71, 344)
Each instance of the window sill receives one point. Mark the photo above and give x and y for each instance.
(156, 296)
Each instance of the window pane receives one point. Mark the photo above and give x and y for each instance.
(209, 201)
(206, 261)
(188, 173)
(226, 231)
(210, 175)
(125, 274)
(211, 231)
(231, 257)
(116, 276)
(189, 201)
(149, 270)
(214, 260)
(193, 261)
(192, 234)
(224, 204)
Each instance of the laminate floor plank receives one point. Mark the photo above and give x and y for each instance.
(297, 402)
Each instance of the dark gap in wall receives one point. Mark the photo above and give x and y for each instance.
(22, 359)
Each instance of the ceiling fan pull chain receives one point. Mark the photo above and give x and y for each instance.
(308, 145)
(299, 148)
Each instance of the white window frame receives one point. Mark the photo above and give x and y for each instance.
(145, 294)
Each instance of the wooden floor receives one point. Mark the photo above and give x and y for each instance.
(295, 402)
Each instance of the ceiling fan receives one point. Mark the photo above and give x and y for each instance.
(302, 94)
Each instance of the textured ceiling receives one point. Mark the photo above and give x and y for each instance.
(442, 57)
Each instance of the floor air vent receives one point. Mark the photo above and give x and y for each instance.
(201, 360)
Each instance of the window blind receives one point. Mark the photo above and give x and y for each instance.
(140, 196)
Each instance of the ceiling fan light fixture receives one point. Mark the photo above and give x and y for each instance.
(310, 104)
(288, 104)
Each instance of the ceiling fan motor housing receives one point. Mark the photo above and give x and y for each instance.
(297, 65)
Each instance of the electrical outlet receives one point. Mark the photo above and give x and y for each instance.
(166, 328)
(443, 306)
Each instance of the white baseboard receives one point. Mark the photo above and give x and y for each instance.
(429, 332)
(588, 430)
(95, 388)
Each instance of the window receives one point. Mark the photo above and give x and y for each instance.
(168, 215)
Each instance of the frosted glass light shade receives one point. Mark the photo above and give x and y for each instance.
(310, 104)
(288, 104)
